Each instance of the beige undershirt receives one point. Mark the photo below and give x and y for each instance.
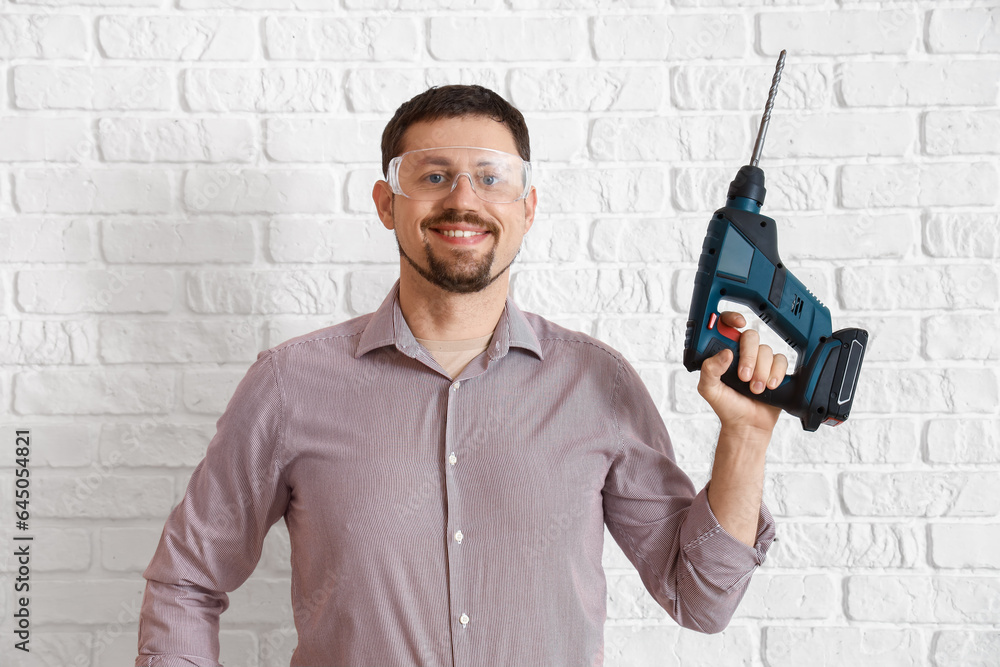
(455, 355)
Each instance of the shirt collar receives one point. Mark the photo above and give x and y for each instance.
(387, 327)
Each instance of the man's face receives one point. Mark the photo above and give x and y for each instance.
(459, 243)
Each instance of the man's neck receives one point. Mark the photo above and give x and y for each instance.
(436, 314)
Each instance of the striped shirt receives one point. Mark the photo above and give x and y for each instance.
(439, 521)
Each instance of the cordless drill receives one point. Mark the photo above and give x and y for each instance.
(740, 262)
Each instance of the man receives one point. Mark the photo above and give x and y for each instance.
(446, 465)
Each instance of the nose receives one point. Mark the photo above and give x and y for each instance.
(463, 194)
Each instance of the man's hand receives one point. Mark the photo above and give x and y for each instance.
(759, 366)
(735, 492)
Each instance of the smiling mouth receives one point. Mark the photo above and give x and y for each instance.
(459, 233)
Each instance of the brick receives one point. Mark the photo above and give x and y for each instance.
(849, 545)
(347, 241)
(955, 545)
(60, 445)
(798, 494)
(950, 184)
(265, 292)
(177, 140)
(670, 37)
(738, 87)
(580, 4)
(840, 134)
(967, 440)
(922, 599)
(940, 390)
(93, 392)
(783, 596)
(643, 339)
(588, 88)
(101, 494)
(94, 88)
(359, 192)
(383, 90)
(60, 648)
(961, 132)
(261, 191)
(590, 291)
(177, 37)
(670, 139)
(613, 190)
(25, 139)
(647, 645)
(557, 138)
(798, 188)
(912, 287)
(208, 392)
(966, 30)
(324, 140)
(959, 336)
(65, 550)
(95, 291)
(422, 5)
(369, 38)
(646, 240)
(45, 240)
(367, 289)
(43, 36)
(264, 90)
(833, 647)
(154, 442)
(965, 648)
(98, 601)
(506, 39)
(920, 494)
(553, 240)
(255, 5)
(165, 241)
(147, 341)
(919, 84)
(95, 3)
(962, 235)
(861, 235)
(840, 32)
(81, 190)
(41, 342)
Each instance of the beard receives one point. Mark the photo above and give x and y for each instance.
(462, 272)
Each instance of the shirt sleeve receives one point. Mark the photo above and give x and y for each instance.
(692, 567)
(213, 538)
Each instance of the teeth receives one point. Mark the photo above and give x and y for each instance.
(459, 233)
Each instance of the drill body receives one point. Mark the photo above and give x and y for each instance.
(739, 262)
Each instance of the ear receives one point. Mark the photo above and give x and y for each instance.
(382, 196)
(530, 202)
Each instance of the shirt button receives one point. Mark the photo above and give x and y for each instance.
(455, 386)
(459, 536)
(464, 620)
(453, 459)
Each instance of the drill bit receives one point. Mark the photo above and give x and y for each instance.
(766, 118)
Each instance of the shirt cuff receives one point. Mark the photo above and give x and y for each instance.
(174, 660)
(716, 556)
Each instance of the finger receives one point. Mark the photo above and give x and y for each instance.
(712, 370)
(733, 319)
(762, 370)
(779, 367)
(749, 344)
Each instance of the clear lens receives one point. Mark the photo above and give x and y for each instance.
(430, 174)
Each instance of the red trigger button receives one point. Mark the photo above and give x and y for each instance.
(727, 331)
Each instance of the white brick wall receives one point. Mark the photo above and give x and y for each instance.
(185, 183)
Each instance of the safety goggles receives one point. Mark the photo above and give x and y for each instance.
(429, 174)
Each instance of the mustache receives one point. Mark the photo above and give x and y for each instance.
(454, 217)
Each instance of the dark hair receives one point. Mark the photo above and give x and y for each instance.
(452, 102)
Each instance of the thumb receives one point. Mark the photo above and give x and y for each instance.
(712, 370)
